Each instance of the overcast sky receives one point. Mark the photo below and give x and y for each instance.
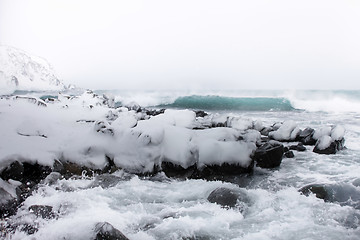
(189, 44)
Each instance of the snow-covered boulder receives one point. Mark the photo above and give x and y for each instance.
(288, 131)
(329, 140)
(21, 71)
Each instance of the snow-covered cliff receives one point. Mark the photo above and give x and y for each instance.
(21, 71)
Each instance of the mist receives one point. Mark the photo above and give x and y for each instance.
(190, 44)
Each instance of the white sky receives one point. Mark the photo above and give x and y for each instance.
(189, 44)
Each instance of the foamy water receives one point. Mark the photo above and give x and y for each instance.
(162, 208)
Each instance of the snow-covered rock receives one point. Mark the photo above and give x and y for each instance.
(21, 71)
(288, 131)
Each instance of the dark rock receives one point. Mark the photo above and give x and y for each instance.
(200, 113)
(14, 171)
(289, 154)
(29, 229)
(306, 136)
(42, 211)
(300, 147)
(153, 112)
(25, 172)
(318, 189)
(344, 194)
(25, 190)
(35, 172)
(110, 166)
(177, 171)
(229, 198)
(219, 172)
(105, 231)
(103, 127)
(265, 131)
(334, 147)
(219, 124)
(269, 155)
(69, 169)
(8, 204)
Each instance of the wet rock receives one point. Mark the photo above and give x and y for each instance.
(343, 194)
(177, 171)
(306, 136)
(8, 203)
(107, 180)
(229, 198)
(300, 147)
(25, 172)
(333, 148)
(154, 112)
(35, 172)
(269, 155)
(69, 169)
(105, 231)
(219, 172)
(289, 154)
(319, 190)
(42, 211)
(200, 113)
(103, 127)
(14, 171)
(266, 130)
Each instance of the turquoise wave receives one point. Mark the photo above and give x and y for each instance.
(230, 103)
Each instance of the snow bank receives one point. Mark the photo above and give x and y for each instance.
(83, 130)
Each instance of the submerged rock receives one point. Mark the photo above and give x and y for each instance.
(299, 147)
(105, 231)
(344, 194)
(289, 154)
(269, 155)
(229, 198)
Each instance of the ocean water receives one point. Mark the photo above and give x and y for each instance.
(161, 208)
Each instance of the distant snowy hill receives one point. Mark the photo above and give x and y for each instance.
(21, 71)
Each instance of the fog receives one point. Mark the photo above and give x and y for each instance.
(204, 44)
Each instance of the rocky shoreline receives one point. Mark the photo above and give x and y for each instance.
(182, 144)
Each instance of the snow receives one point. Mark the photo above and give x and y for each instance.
(287, 131)
(323, 131)
(338, 132)
(82, 134)
(324, 142)
(21, 71)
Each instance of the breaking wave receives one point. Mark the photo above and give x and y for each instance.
(219, 103)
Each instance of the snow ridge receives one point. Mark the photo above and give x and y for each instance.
(21, 71)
